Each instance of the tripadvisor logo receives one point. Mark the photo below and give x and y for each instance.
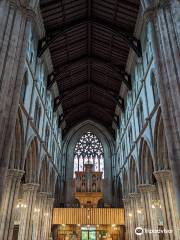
(139, 231)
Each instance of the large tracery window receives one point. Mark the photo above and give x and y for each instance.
(89, 150)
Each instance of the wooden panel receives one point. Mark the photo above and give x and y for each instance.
(102, 216)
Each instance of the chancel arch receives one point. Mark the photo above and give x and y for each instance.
(70, 142)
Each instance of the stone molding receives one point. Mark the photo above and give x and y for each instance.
(145, 188)
(15, 173)
(163, 175)
(126, 200)
(42, 195)
(30, 186)
(135, 195)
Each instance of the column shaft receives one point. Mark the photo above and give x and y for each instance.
(148, 194)
(26, 221)
(168, 203)
(9, 203)
(165, 36)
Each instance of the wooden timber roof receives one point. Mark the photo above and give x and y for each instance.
(89, 42)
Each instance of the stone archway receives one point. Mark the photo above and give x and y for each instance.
(164, 179)
(68, 154)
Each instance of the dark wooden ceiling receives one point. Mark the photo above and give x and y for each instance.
(89, 42)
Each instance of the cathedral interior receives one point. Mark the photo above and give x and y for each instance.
(89, 119)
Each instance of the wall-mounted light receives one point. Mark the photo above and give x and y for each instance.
(21, 205)
(37, 210)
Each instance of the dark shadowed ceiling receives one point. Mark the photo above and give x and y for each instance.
(89, 42)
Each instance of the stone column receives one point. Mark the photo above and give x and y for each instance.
(50, 202)
(168, 203)
(165, 34)
(148, 194)
(9, 203)
(14, 34)
(126, 202)
(26, 219)
(38, 218)
(137, 212)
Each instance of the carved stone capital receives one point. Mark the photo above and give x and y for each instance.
(126, 200)
(30, 187)
(50, 201)
(42, 195)
(135, 195)
(15, 173)
(145, 188)
(150, 6)
(163, 175)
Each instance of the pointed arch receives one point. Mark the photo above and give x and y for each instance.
(44, 175)
(125, 183)
(17, 148)
(24, 86)
(160, 145)
(133, 176)
(119, 193)
(52, 182)
(154, 87)
(146, 164)
(31, 162)
(107, 142)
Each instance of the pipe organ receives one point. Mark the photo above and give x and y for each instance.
(88, 186)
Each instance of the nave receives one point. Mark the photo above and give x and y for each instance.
(89, 120)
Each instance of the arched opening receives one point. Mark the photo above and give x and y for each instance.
(24, 87)
(146, 164)
(161, 152)
(125, 184)
(102, 155)
(154, 88)
(16, 158)
(134, 180)
(37, 114)
(44, 176)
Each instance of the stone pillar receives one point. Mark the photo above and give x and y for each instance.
(14, 34)
(137, 212)
(38, 219)
(165, 34)
(26, 219)
(50, 202)
(9, 203)
(148, 194)
(128, 213)
(168, 203)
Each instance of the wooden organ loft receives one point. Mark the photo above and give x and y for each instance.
(88, 186)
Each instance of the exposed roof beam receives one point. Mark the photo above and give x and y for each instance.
(108, 93)
(125, 35)
(118, 71)
(85, 104)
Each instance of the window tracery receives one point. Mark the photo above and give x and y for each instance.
(89, 150)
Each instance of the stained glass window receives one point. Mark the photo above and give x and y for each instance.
(89, 150)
